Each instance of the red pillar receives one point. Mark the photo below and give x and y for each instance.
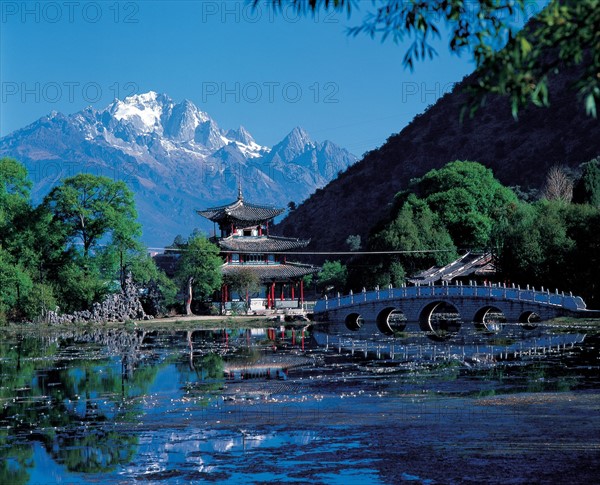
(272, 295)
(301, 291)
(282, 285)
(293, 285)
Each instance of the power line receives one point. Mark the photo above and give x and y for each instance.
(316, 253)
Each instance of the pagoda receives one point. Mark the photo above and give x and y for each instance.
(246, 245)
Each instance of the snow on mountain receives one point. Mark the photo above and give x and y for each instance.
(175, 158)
(144, 111)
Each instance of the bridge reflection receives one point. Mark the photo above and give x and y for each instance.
(468, 344)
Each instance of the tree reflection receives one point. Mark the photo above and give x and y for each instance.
(72, 404)
(204, 371)
(14, 461)
(95, 452)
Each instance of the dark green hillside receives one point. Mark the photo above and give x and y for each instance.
(519, 152)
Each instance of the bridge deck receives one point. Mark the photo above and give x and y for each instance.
(448, 292)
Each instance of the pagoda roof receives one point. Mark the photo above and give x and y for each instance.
(269, 273)
(261, 244)
(241, 211)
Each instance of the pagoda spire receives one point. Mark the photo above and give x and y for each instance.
(240, 195)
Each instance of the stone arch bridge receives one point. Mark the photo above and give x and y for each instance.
(439, 307)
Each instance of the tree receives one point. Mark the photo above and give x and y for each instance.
(244, 282)
(353, 242)
(467, 198)
(552, 244)
(417, 230)
(14, 196)
(96, 219)
(587, 189)
(15, 284)
(199, 270)
(80, 284)
(92, 208)
(510, 63)
(559, 185)
(333, 276)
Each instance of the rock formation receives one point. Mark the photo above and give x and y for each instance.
(119, 307)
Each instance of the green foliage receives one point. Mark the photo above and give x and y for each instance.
(468, 200)
(15, 214)
(417, 231)
(38, 301)
(91, 208)
(416, 228)
(80, 284)
(333, 275)
(15, 285)
(552, 244)
(509, 63)
(41, 264)
(521, 70)
(587, 189)
(144, 272)
(245, 283)
(14, 193)
(308, 279)
(200, 260)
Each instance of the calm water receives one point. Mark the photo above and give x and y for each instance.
(318, 405)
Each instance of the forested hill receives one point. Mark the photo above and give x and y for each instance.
(519, 152)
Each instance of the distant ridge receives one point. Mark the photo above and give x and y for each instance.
(519, 152)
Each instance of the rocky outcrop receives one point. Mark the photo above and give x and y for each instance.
(119, 307)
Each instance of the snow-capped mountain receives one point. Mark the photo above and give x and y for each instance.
(175, 158)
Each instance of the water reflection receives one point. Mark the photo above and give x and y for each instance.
(288, 403)
(465, 344)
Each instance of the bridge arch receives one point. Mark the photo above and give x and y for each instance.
(530, 319)
(390, 320)
(440, 318)
(354, 321)
(490, 318)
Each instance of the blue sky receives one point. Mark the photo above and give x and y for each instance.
(268, 73)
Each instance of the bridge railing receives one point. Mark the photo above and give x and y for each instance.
(543, 297)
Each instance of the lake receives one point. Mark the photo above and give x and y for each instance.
(294, 404)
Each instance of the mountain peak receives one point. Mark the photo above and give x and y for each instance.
(242, 135)
(144, 111)
(142, 98)
(295, 143)
(299, 136)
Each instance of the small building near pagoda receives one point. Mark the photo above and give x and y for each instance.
(246, 245)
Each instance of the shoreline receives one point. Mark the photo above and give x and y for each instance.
(208, 322)
(178, 322)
